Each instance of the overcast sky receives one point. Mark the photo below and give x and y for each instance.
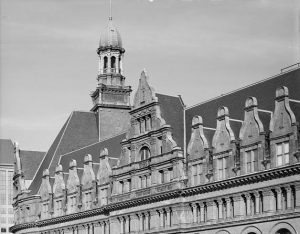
(196, 48)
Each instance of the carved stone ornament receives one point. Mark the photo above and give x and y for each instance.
(104, 168)
(73, 179)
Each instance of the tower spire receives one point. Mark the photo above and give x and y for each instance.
(110, 11)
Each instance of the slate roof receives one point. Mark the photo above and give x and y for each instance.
(30, 162)
(172, 111)
(6, 151)
(80, 129)
(264, 91)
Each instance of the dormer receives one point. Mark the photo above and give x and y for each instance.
(224, 148)
(88, 183)
(252, 139)
(197, 153)
(59, 189)
(283, 131)
(73, 188)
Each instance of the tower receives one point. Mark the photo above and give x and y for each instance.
(111, 99)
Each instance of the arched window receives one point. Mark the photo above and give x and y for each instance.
(113, 62)
(144, 153)
(105, 62)
(283, 231)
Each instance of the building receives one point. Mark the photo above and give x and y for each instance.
(30, 162)
(227, 165)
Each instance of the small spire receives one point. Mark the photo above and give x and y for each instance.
(110, 11)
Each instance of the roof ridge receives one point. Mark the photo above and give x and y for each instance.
(238, 89)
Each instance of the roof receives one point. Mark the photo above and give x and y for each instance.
(79, 130)
(264, 91)
(110, 37)
(30, 162)
(6, 151)
(172, 112)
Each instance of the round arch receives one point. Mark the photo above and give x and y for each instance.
(282, 227)
(144, 152)
(222, 232)
(250, 230)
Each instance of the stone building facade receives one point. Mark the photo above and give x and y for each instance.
(160, 167)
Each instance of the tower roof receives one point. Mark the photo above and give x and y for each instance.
(110, 37)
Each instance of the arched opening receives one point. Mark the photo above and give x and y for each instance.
(144, 153)
(105, 63)
(113, 63)
(283, 231)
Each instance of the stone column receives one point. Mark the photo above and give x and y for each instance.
(239, 206)
(269, 201)
(109, 63)
(102, 228)
(220, 210)
(194, 212)
(147, 216)
(161, 218)
(141, 224)
(127, 224)
(117, 64)
(228, 208)
(122, 225)
(279, 198)
(257, 203)
(297, 195)
(168, 211)
(202, 213)
(248, 204)
(148, 123)
(288, 197)
(107, 227)
(134, 223)
(97, 228)
(142, 122)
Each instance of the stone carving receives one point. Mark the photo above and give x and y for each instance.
(59, 183)
(73, 180)
(19, 182)
(88, 176)
(198, 142)
(46, 189)
(283, 117)
(104, 168)
(252, 126)
(224, 134)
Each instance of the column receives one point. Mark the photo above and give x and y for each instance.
(202, 213)
(268, 200)
(117, 64)
(228, 208)
(194, 212)
(161, 217)
(122, 225)
(148, 123)
(220, 209)
(134, 227)
(168, 211)
(97, 228)
(248, 204)
(140, 215)
(288, 197)
(279, 198)
(109, 63)
(102, 228)
(257, 203)
(297, 195)
(147, 216)
(127, 224)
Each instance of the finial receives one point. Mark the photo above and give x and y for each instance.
(110, 11)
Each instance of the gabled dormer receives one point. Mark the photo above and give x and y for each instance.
(252, 139)
(73, 188)
(197, 153)
(224, 147)
(88, 183)
(103, 175)
(59, 192)
(283, 131)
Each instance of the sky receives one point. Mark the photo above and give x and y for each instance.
(198, 49)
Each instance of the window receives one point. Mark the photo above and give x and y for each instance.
(72, 204)
(88, 200)
(105, 62)
(282, 153)
(222, 168)
(144, 153)
(58, 207)
(196, 173)
(113, 62)
(250, 159)
(103, 196)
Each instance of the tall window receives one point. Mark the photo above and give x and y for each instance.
(250, 159)
(105, 62)
(88, 200)
(222, 168)
(282, 153)
(197, 172)
(113, 62)
(144, 153)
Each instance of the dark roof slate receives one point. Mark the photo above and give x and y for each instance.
(6, 151)
(172, 111)
(30, 162)
(80, 130)
(264, 91)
